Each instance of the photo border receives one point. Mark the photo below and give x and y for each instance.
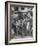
(6, 19)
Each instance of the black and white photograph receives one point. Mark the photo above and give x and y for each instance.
(20, 22)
